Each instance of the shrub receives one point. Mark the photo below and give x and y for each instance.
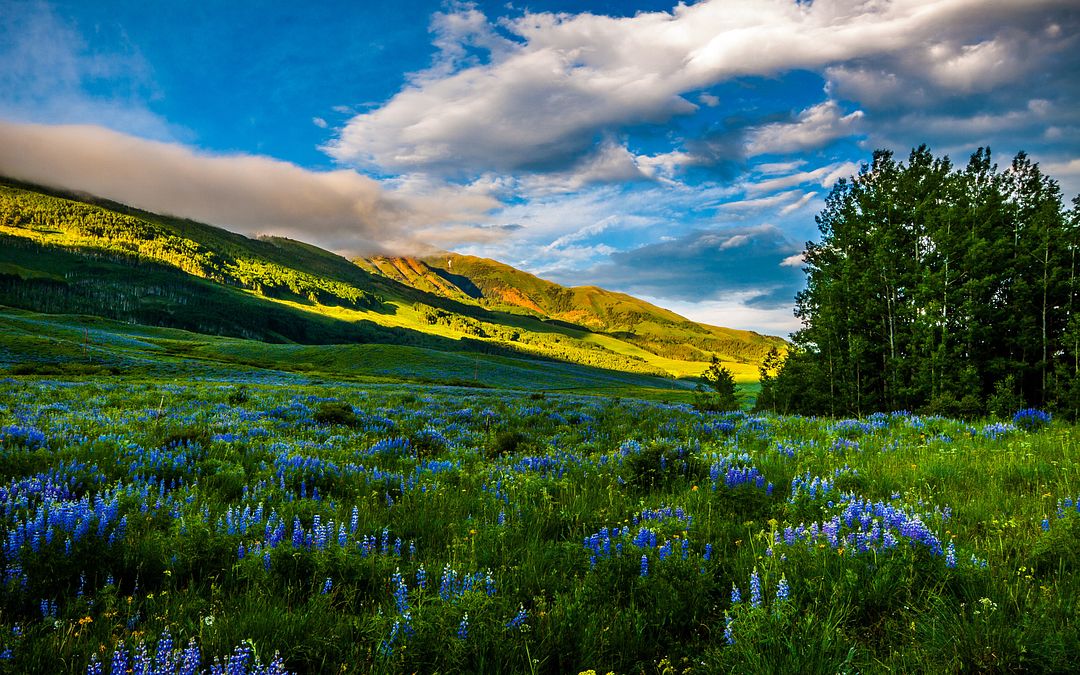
(661, 464)
(238, 395)
(1055, 551)
(1004, 401)
(508, 442)
(716, 389)
(335, 412)
(428, 443)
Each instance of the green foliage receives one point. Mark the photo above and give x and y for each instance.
(238, 395)
(508, 442)
(1005, 400)
(716, 389)
(168, 435)
(335, 412)
(1055, 553)
(933, 285)
(660, 464)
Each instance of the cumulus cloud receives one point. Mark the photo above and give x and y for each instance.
(795, 260)
(1031, 49)
(539, 92)
(610, 163)
(813, 128)
(341, 210)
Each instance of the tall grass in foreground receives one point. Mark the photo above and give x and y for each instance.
(391, 529)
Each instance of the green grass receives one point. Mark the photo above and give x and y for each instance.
(29, 338)
(514, 486)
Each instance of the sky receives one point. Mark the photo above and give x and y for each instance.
(676, 152)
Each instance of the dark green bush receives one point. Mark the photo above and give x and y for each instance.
(662, 463)
(507, 442)
(335, 412)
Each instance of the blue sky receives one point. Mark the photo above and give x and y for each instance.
(675, 152)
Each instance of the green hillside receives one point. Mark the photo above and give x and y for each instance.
(501, 287)
(73, 254)
(65, 345)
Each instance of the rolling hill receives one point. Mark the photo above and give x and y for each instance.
(500, 287)
(63, 253)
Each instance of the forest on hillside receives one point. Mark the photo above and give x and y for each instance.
(949, 290)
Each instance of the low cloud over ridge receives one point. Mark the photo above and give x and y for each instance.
(341, 210)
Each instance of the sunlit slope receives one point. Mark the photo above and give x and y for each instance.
(70, 345)
(64, 253)
(497, 286)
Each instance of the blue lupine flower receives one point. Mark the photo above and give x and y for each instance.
(401, 592)
(736, 595)
(1031, 419)
(782, 590)
(644, 565)
(518, 619)
(950, 555)
(1046, 524)
(729, 634)
(755, 589)
(119, 661)
(327, 586)
(463, 628)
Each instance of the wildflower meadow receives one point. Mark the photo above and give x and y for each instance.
(273, 526)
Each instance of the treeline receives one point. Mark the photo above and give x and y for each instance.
(935, 288)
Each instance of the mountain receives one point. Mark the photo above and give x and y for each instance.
(500, 287)
(65, 253)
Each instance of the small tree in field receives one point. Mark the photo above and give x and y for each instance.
(716, 389)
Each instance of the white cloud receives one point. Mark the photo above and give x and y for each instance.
(547, 94)
(796, 205)
(1063, 168)
(795, 260)
(813, 128)
(825, 176)
(734, 241)
(982, 124)
(779, 199)
(341, 210)
(733, 310)
(610, 163)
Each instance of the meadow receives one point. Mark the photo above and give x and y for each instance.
(267, 523)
